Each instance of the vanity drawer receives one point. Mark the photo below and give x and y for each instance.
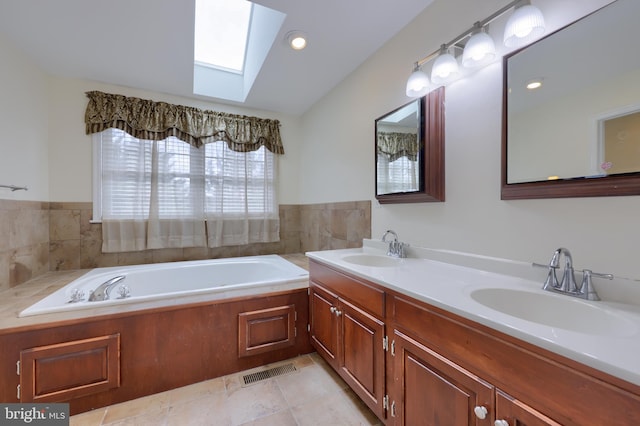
(360, 292)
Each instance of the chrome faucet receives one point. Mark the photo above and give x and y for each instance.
(568, 284)
(103, 290)
(396, 248)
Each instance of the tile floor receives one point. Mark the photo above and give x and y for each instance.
(312, 395)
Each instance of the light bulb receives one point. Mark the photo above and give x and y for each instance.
(445, 67)
(524, 25)
(417, 84)
(479, 50)
(297, 40)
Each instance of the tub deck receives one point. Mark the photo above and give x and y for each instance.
(16, 299)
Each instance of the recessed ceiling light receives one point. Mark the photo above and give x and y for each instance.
(297, 40)
(536, 83)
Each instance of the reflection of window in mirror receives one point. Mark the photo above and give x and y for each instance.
(620, 143)
(399, 175)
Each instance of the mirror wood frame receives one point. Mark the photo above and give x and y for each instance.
(431, 155)
(616, 185)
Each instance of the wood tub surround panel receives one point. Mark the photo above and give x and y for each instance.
(266, 329)
(69, 370)
(162, 348)
(441, 368)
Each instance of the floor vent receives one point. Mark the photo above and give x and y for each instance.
(252, 378)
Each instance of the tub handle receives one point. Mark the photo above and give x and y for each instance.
(77, 295)
(124, 291)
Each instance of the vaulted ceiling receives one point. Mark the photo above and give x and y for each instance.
(148, 44)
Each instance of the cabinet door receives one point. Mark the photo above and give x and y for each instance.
(362, 355)
(324, 323)
(511, 412)
(431, 390)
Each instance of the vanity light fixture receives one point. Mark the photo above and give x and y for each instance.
(297, 40)
(480, 49)
(418, 83)
(525, 25)
(445, 68)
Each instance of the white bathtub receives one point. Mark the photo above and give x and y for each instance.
(163, 284)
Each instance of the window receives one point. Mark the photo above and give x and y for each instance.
(164, 191)
(221, 33)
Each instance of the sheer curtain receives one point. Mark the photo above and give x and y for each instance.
(152, 193)
(241, 205)
(176, 176)
(169, 194)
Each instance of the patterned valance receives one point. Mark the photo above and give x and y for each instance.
(394, 145)
(146, 119)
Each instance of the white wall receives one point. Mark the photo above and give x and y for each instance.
(23, 126)
(70, 148)
(337, 157)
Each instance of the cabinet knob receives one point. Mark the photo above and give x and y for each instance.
(338, 313)
(481, 412)
(501, 423)
(333, 309)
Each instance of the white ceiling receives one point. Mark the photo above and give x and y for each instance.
(148, 44)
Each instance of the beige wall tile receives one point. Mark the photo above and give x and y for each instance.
(64, 255)
(36, 237)
(64, 225)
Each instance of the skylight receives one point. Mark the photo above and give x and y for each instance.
(221, 33)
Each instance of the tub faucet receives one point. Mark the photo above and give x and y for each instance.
(102, 291)
(396, 248)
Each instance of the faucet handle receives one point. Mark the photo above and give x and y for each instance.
(586, 289)
(552, 280)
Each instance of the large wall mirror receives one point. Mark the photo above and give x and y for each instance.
(409, 152)
(572, 110)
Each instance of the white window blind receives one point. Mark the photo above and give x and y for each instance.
(161, 192)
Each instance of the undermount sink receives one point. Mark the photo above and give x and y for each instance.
(557, 311)
(375, 260)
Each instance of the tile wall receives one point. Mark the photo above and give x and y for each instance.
(24, 241)
(38, 237)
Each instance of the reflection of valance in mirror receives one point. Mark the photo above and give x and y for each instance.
(394, 145)
(146, 119)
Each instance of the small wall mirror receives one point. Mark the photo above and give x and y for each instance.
(409, 152)
(572, 110)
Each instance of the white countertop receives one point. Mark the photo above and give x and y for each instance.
(448, 285)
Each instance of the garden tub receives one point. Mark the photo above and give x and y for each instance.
(172, 283)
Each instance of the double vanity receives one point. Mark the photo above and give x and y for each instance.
(449, 338)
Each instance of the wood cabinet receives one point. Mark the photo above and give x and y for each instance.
(443, 369)
(348, 334)
(431, 390)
